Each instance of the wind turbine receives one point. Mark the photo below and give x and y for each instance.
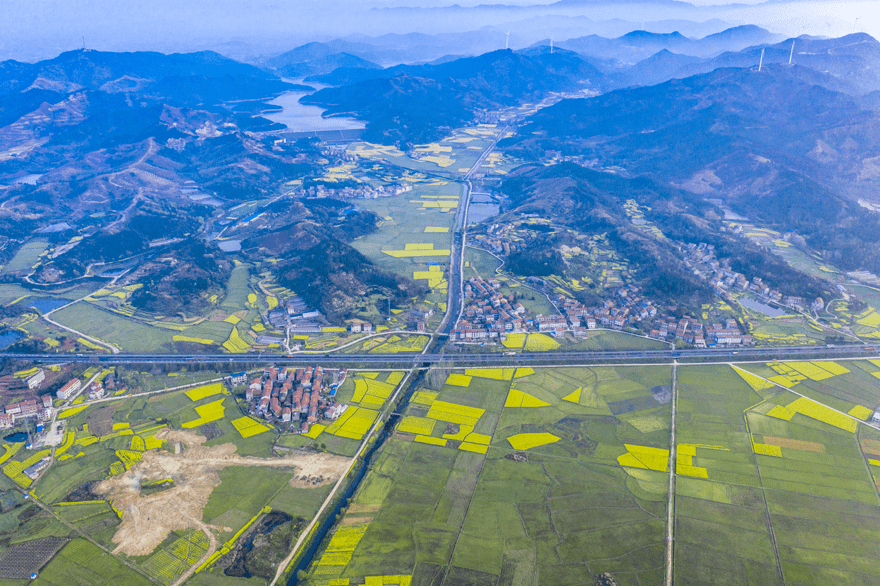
(551, 45)
(507, 41)
(792, 52)
(856, 23)
(761, 62)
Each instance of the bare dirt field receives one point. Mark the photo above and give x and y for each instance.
(147, 520)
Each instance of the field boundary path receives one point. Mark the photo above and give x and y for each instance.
(670, 505)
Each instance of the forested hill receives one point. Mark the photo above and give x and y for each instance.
(416, 104)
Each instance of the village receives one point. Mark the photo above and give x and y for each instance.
(41, 409)
(701, 259)
(297, 397)
(490, 316)
(362, 191)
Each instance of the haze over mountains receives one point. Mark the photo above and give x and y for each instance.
(694, 113)
(256, 29)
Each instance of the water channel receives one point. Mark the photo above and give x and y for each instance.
(330, 520)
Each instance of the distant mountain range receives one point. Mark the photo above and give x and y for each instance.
(853, 60)
(412, 104)
(638, 45)
(214, 77)
(315, 59)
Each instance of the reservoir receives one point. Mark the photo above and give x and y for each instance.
(482, 207)
(301, 118)
(756, 305)
(9, 337)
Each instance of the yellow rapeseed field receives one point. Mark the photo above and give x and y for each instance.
(423, 397)
(822, 413)
(235, 344)
(315, 431)
(767, 450)
(645, 457)
(540, 343)
(756, 382)
(203, 341)
(517, 398)
(477, 448)
(574, 396)
(249, 427)
(504, 374)
(452, 413)
(458, 380)
(416, 425)
(514, 341)
(199, 393)
(366, 387)
(479, 438)
(71, 412)
(860, 412)
(354, 423)
(394, 378)
(527, 441)
(211, 412)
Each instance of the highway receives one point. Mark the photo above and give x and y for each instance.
(487, 359)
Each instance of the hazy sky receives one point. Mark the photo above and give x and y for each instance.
(32, 29)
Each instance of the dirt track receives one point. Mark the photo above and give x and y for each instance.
(147, 520)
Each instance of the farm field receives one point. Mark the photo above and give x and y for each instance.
(450, 157)
(554, 476)
(232, 324)
(503, 476)
(26, 257)
(390, 344)
(772, 488)
(111, 328)
(409, 241)
(785, 331)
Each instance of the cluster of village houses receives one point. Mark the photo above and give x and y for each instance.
(489, 315)
(497, 239)
(363, 191)
(301, 395)
(41, 409)
(701, 259)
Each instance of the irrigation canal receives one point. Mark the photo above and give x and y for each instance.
(364, 467)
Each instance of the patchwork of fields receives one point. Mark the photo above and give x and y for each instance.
(504, 476)
(555, 476)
